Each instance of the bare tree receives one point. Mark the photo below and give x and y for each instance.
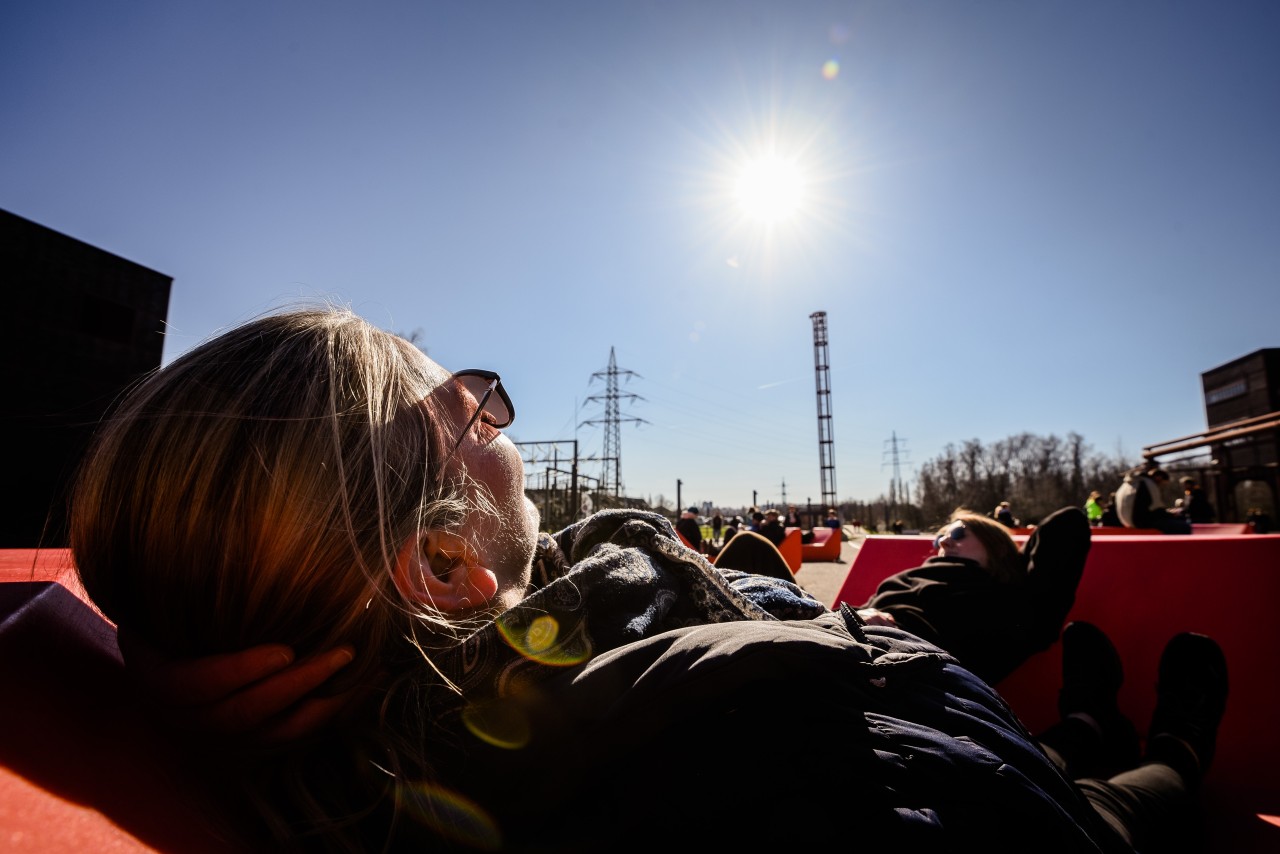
(1035, 474)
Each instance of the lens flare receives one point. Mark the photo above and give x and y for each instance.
(830, 69)
(497, 723)
(542, 640)
(452, 815)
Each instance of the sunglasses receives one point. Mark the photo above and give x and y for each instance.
(956, 533)
(491, 399)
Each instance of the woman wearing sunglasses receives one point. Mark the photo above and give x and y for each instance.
(308, 485)
(982, 599)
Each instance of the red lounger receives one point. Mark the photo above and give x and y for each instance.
(825, 545)
(792, 549)
(1142, 590)
(82, 767)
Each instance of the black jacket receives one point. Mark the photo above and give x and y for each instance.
(642, 699)
(990, 626)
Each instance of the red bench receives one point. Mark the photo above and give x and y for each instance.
(793, 549)
(825, 546)
(1219, 528)
(1142, 590)
(81, 767)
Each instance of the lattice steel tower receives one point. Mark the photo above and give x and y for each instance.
(612, 422)
(826, 444)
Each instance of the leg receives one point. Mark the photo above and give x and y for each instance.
(1151, 806)
(1093, 738)
(1148, 807)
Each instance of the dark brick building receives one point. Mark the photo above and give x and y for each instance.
(80, 325)
(1240, 450)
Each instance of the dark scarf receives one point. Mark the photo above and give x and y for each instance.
(613, 578)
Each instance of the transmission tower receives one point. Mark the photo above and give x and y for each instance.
(612, 422)
(896, 489)
(826, 444)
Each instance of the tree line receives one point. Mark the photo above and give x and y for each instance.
(1035, 474)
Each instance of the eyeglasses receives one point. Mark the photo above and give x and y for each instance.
(491, 399)
(956, 533)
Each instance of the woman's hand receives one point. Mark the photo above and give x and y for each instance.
(876, 617)
(260, 693)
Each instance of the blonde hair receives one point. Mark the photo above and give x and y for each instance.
(258, 489)
(1003, 558)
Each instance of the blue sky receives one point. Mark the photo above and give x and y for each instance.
(1018, 216)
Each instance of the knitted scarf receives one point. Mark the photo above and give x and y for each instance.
(612, 578)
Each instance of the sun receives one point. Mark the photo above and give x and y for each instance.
(770, 188)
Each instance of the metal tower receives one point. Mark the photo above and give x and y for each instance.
(612, 422)
(826, 444)
(897, 490)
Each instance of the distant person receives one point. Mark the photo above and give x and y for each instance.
(717, 525)
(1110, 518)
(1004, 515)
(898, 526)
(690, 529)
(1195, 504)
(792, 519)
(1258, 520)
(733, 526)
(1140, 502)
(772, 529)
(833, 519)
(1093, 510)
(757, 521)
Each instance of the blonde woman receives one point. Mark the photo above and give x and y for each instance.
(309, 486)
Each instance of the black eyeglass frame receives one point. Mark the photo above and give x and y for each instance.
(490, 383)
(956, 532)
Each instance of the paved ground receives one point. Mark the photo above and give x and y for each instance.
(823, 579)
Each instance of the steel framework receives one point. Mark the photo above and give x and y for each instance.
(822, 378)
(612, 421)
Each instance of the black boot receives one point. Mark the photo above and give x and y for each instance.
(1191, 696)
(1104, 742)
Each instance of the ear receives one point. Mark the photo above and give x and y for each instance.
(442, 570)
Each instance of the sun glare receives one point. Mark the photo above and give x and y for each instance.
(770, 188)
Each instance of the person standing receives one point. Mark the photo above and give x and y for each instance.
(1093, 510)
(772, 529)
(1195, 504)
(717, 524)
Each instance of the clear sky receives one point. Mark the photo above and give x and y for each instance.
(1041, 216)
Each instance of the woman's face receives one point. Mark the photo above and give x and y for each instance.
(506, 536)
(956, 540)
